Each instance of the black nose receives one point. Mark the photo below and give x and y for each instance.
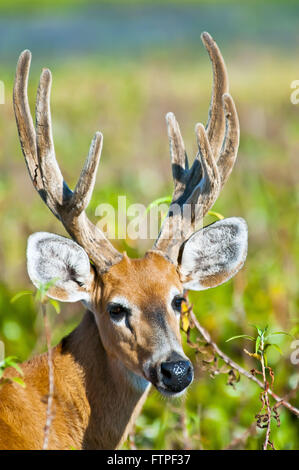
(176, 376)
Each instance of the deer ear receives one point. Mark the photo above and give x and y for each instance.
(214, 254)
(52, 257)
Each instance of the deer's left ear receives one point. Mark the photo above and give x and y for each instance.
(214, 254)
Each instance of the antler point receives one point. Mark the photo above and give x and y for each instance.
(26, 54)
(228, 103)
(99, 135)
(206, 37)
(46, 73)
(199, 128)
(169, 116)
(24, 59)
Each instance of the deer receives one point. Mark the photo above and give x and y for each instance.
(129, 338)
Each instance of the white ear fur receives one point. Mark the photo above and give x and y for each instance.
(51, 257)
(214, 254)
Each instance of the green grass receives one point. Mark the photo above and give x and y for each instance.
(128, 102)
(36, 6)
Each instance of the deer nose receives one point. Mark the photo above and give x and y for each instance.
(176, 375)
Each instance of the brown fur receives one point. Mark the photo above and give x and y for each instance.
(95, 404)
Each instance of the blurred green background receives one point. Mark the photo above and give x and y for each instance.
(119, 67)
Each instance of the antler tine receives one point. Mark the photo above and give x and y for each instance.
(199, 186)
(216, 122)
(230, 146)
(84, 188)
(55, 185)
(179, 159)
(24, 120)
(56, 191)
(199, 195)
(38, 148)
(210, 182)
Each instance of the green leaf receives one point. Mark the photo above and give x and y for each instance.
(251, 338)
(280, 333)
(216, 214)
(55, 304)
(41, 294)
(260, 332)
(19, 381)
(9, 359)
(11, 363)
(265, 359)
(50, 283)
(257, 344)
(266, 329)
(19, 295)
(274, 346)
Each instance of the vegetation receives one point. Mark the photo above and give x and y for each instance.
(50, 5)
(127, 101)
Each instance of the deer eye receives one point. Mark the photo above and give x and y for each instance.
(177, 303)
(117, 312)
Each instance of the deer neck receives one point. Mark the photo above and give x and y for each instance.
(114, 394)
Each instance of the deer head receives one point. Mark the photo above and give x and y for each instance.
(137, 302)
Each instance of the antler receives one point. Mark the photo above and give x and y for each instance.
(38, 149)
(196, 189)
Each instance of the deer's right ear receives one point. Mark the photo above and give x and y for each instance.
(52, 257)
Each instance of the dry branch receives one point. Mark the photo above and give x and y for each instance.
(204, 333)
(50, 397)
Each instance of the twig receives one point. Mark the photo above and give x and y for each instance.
(289, 395)
(49, 417)
(266, 398)
(237, 367)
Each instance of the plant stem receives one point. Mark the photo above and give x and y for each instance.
(266, 396)
(204, 333)
(49, 415)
